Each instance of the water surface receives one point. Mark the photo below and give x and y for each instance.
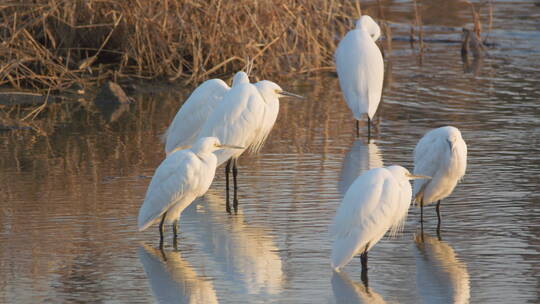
(71, 188)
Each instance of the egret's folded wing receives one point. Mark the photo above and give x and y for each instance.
(360, 68)
(428, 156)
(174, 177)
(189, 120)
(348, 63)
(236, 120)
(365, 204)
(366, 213)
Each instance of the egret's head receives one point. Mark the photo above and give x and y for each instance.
(400, 173)
(367, 23)
(239, 78)
(269, 89)
(210, 144)
(453, 133)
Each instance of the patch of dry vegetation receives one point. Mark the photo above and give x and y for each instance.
(58, 43)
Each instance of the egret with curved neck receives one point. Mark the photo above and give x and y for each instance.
(360, 68)
(244, 117)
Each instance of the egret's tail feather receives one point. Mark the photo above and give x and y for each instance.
(145, 226)
(342, 252)
(144, 223)
(397, 227)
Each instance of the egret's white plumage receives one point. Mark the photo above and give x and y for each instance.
(180, 178)
(187, 123)
(376, 202)
(441, 154)
(360, 68)
(244, 117)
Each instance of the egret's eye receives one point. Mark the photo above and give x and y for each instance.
(277, 91)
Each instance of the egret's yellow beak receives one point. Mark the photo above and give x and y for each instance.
(289, 94)
(411, 176)
(231, 147)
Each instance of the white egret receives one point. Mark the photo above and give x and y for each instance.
(442, 154)
(180, 178)
(440, 276)
(187, 123)
(244, 117)
(173, 279)
(360, 69)
(376, 202)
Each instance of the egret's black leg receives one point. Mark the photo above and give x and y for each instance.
(422, 211)
(368, 129)
(227, 202)
(357, 128)
(438, 211)
(438, 218)
(235, 174)
(363, 260)
(161, 229)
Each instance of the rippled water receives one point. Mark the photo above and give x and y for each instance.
(72, 186)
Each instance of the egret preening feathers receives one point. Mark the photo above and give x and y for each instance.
(442, 154)
(360, 69)
(376, 202)
(187, 123)
(183, 176)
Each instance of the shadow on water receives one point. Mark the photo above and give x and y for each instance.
(173, 279)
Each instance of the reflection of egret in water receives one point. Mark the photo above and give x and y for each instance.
(247, 255)
(172, 279)
(361, 157)
(348, 291)
(440, 276)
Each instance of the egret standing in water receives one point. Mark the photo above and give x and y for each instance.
(187, 123)
(360, 69)
(442, 154)
(244, 118)
(376, 202)
(182, 177)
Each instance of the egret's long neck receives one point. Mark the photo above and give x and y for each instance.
(200, 149)
(205, 155)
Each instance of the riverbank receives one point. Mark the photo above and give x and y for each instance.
(60, 45)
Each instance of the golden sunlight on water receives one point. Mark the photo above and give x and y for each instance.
(71, 187)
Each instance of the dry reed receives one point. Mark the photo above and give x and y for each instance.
(62, 44)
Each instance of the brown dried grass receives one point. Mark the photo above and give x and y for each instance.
(56, 44)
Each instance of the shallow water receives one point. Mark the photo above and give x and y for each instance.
(71, 189)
